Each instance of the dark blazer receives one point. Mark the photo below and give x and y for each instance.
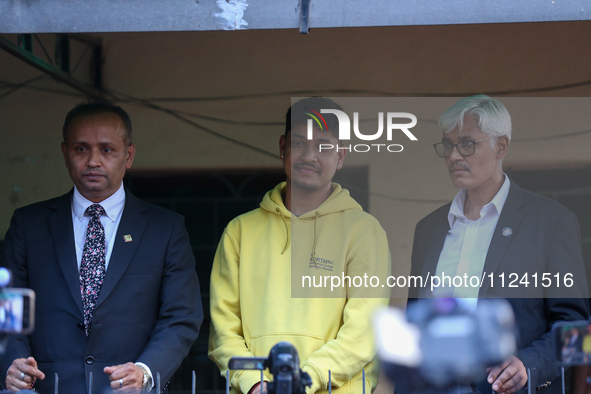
(149, 308)
(544, 237)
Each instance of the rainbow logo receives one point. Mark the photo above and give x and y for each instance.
(316, 118)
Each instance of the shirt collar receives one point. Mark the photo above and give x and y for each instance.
(113, 205)
(456, 210)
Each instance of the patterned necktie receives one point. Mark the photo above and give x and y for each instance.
(92, 266)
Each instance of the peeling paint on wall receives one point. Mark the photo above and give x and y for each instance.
(16, 196)
(232, 14)
(19, 159)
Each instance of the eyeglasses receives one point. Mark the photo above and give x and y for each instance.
(465, 148)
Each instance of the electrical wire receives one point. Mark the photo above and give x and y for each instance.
(122, 97)
(179, 114)
(8, 85)
(57, 91)
(552, 137)
(80, 60)
(330, 92)
(424, 120)
(148, 104)
(18, 86)
(273, 124)
(232, 122)
(392, 198)
(43, 47)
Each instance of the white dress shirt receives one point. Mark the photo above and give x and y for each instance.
(113, 207)
(466, 244)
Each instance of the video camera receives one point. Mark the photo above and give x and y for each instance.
(284, 364)
(17, 312)
(17, 307)
(573, 342)
(444, 344)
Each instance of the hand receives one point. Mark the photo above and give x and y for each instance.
(508, 377)
(28, 366)
(257, 389)
(125, 378)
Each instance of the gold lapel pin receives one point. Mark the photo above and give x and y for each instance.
(127, 238)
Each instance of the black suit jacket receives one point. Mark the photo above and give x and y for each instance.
(149, 308)
(545, 237)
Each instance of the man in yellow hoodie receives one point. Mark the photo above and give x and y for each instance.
(306, 225)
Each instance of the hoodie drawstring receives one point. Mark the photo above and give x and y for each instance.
(313, 257)
(286, 230)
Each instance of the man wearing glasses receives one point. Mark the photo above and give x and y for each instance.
(493, 227)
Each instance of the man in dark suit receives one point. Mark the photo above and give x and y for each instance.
(494, 227)
(117, 292)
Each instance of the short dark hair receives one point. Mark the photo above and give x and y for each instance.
(97, 107)
(298, 113)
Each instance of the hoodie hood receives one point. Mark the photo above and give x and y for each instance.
(338, 201)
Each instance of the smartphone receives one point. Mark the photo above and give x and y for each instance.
(573, 342)
(257, 363)
(17, 311)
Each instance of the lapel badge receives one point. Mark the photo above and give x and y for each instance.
(507, 231)
(128, 238)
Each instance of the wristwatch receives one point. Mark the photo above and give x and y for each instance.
(147, 382)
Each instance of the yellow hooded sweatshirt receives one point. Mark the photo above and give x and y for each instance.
(251, 301)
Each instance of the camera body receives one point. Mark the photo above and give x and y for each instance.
(573, 342)
(284, 364)
(441, 343)
(17, 307)
(17, 311)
